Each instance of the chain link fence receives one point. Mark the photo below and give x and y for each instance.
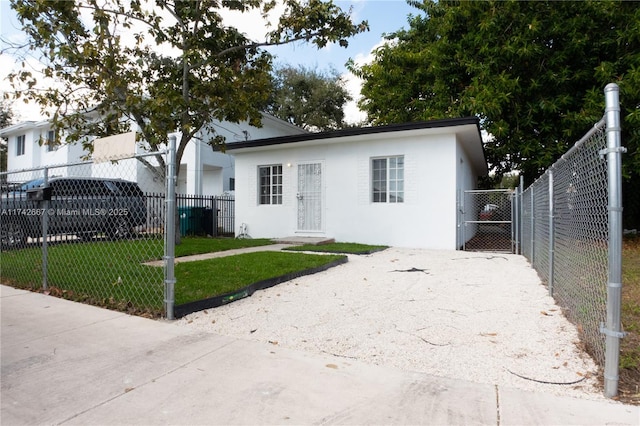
(85, 232)
(571, 231)
(577, 187)
(488, 220)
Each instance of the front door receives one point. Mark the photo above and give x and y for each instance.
(310, 197)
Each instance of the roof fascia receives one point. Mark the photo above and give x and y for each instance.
(466, 131)
(359, 131)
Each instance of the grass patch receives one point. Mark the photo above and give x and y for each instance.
(214, 277)
(629, 384)
(346, 248)
(111, 274)
(104, 273)
(193, 245)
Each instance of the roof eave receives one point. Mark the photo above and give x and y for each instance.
(281, 140)
(468, 130)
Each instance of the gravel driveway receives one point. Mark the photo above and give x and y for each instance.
(481, 317)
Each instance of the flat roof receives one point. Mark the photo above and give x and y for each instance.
(468, 128)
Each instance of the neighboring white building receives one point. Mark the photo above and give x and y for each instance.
(398, 185)
(202, 170)
(30, 145)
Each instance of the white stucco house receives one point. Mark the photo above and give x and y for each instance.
(30, 145)
(202, 170)
(398, 185)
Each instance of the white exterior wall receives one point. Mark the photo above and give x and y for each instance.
(37, 155)
(466, 180)
(426, 218)
(31, 156)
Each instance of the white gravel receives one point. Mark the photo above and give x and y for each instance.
(480, 317)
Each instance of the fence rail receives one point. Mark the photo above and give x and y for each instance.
(571, 232)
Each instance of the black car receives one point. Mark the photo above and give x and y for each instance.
(83, 207)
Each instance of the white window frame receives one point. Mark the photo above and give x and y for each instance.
(21, 143)
(387, 179)
(270, 184)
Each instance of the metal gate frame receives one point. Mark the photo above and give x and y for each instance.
(472, 217)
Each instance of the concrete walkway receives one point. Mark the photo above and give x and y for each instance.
(205, 256)
(68, 363)
(279, 244)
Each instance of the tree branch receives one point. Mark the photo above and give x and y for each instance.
(253, 46)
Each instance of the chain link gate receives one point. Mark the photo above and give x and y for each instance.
(488, 220)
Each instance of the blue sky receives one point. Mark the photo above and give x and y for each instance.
(384, 16)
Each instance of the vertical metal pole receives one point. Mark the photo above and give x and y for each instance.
(520, 239)
(515, 220)
(614, 152)
(533, 226)
(45, 231)
(214, 225)
(552, 234)
(464, 220)
(170, 230)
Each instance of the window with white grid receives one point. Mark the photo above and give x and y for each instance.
(270, 184)
(387, 179)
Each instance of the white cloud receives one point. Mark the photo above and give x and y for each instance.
(251, 23)
(22, 110)
(353, 114)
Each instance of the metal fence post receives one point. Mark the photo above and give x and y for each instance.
(170, 230)
(552, 233)
(613, 152)
(517, 217)
(513, 207)
(215, 214)
(533, 224)
(520, 250)
(45, 232)
(464, 219)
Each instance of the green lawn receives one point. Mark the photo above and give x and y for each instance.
(198, 245)
(630, 345)
(105, 273)
(214, 277)
(347, 248)
(112, 273)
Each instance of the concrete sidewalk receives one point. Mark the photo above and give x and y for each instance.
(64, 362)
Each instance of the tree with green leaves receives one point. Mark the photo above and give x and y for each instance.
(6, 119)
(165, 65)
(534, 72)
(309, 98)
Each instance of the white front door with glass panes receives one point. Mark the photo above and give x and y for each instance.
(309, 197)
